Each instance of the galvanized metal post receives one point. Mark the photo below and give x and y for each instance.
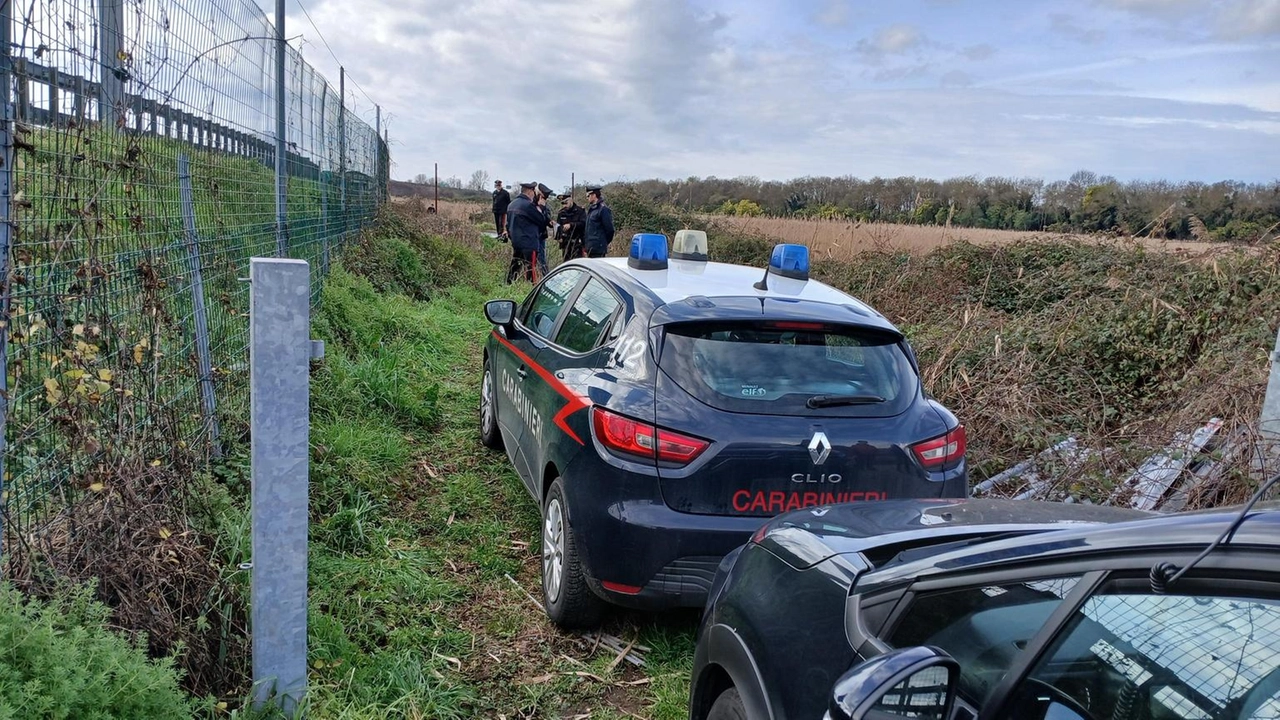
(208, 402)
(6, 235)
(1269, 423)
(110, 41)
(342, 150)
(282, 240)
(279, 352)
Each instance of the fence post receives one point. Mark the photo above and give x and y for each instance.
(342, 151)
(1269, 421)
(110, 39)
(282, 240)
(6, 229)
(208, 402)
(279, 352)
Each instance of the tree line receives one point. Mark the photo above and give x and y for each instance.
(1086, 202)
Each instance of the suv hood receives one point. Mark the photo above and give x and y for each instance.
(881, 530)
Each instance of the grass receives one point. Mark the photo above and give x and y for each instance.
(417, 531)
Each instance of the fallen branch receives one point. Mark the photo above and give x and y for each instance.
(525, 592)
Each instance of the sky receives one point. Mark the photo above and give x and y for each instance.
(618, 90)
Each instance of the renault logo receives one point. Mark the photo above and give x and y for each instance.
(819, 448)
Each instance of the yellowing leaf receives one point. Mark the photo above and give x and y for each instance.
(105, 374)
(74, 374)
(52, 393)
(78, 330)
(128, 393)
(165, 533)
(155, 463)
(97, 487)
(137, 353)
(101, 387)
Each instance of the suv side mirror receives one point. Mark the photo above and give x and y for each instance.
(500, 312)
(915, 682)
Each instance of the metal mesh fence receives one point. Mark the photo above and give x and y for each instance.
(138, 181)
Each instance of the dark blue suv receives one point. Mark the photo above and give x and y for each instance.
(659, 409)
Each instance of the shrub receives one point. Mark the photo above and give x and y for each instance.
(58, 660)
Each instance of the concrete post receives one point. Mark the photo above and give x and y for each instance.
(279, 352)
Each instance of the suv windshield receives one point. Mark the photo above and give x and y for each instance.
(790, 368)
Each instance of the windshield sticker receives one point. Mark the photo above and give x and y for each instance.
(753, 391)
(777, 501)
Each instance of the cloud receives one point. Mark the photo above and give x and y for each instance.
(834, 13)
(978, 52)
(662, 88)
(1064, 25)
(1250, 19)
(891, 40)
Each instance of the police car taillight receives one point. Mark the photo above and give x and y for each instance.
(624, 435)
(942, 451)
(648, 252)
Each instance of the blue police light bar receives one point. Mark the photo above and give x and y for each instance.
(790, 261)
(648, 252)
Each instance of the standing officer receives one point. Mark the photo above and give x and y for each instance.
(501, 201)
(544, 193)
(524, 222)
(571, 226)
(599, 224)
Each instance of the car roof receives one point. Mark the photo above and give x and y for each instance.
(688, 278)
(1171, 532)
(684, 279)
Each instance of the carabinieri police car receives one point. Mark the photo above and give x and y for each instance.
(659, 408)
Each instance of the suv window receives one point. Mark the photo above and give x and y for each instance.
(1162, 657)
(776, 367)
(588, 319)
(541, 311)
(984, 628)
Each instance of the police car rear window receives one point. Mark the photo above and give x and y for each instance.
(792, 368)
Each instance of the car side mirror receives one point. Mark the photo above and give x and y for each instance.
(500, 312)
(915, 682)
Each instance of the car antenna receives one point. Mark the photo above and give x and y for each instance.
(763, 283)
(1165, 574)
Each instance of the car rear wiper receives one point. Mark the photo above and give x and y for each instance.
(821, 401)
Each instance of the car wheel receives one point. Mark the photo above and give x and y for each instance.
(490, 436)
(728, 707)
(570, 603)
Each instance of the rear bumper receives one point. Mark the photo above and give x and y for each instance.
(659, 557)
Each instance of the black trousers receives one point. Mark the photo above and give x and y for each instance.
(521, 264)
(597, 250)
(499, 218)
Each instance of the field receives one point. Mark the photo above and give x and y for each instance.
(840, 239)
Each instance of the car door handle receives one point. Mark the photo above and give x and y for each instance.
(522, 372)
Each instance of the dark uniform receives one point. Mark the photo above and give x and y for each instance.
(544, 193)
(501, 201)
(524, 222)
(599, 226)
(571, 239)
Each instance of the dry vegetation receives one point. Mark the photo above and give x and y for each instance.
(841, 239)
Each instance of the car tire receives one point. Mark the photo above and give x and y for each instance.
(728, 706)
(490, 435)
(569, 601)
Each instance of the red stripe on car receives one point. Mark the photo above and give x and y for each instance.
(576, 401)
